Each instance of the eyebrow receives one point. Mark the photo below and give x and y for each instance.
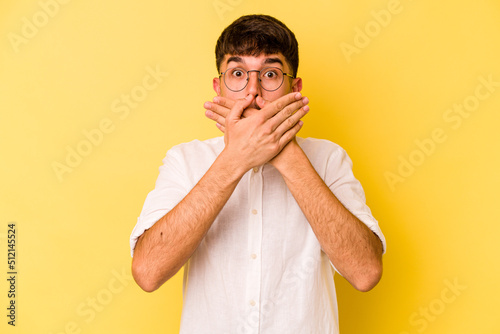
(237, 59)
(273, 61)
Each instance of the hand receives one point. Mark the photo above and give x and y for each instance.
(218, 109)
(256, 136)
(221, 106)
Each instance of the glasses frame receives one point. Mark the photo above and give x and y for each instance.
(223, 75)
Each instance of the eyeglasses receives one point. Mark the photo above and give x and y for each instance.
(270, 78)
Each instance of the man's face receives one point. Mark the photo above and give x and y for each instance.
(253, 87)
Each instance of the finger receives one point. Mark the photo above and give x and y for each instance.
(290, 110)
(248, 112)
(215, 117)
(261, 102)
(292, 121)
(218, 109)
(290, 134)
(278, 105)
(223, 111)
(221, 127)
(224, 101)
(238, 108)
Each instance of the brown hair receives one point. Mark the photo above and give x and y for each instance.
(252, 35)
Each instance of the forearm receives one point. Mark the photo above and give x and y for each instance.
(351, 246)
(249, 141)
(163, 249)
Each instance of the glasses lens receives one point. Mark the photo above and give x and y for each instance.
(235, 78)
(271, 78)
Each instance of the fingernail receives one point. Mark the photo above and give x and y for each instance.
(306, 108)
(298, 96)
(216, 99)
(305, 100)
(301, 123)
(207, 105)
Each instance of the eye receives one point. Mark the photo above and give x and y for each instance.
(237, 73)
(270, 74)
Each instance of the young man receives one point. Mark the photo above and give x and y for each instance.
(258, 218)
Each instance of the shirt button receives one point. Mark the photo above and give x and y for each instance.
(253, 256)
(255, 169)
(254, 211)
(252, 302)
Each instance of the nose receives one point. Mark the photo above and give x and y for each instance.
(253, 86)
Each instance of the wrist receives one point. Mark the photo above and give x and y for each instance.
(230, 165)
(288, 157)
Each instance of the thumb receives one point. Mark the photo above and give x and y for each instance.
(239, 107)
(261, 102)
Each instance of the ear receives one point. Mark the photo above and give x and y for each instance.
(216, 85)
(296, 85)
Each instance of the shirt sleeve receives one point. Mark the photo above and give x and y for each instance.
(341, 181)
(170, 188)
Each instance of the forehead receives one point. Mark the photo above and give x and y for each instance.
(263, 60)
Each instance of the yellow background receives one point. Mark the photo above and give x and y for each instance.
(440, 219)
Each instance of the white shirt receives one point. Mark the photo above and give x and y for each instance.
(260, 268)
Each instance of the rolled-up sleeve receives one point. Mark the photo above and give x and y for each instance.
(341, 181)
(335, 168)
(170, 188)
